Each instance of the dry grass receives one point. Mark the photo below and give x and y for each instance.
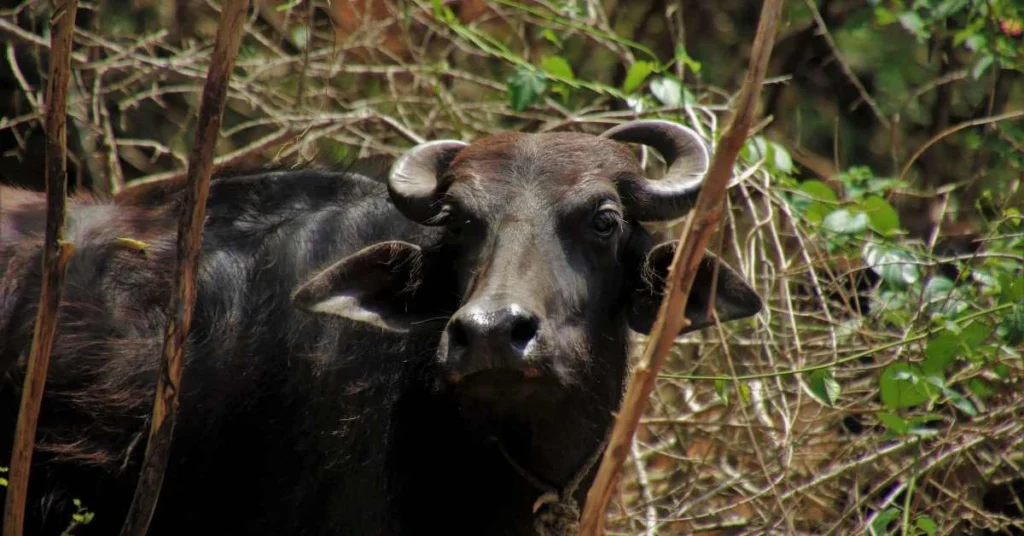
(315, 85)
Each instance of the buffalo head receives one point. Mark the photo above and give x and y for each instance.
(542, 261)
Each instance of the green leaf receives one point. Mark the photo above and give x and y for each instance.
(668, 90)
(744, 391)
(819, 191)
(901, 387)
(894, 423)
(685, 58)
(781, 159)
(938, 288)
(551, 37)
(822, 200)
(949, 7)
(893, 265)
(884, 16)
(954, 397)
(980, 388)
(824, 387)
(912, 22)
(720, 386)
(843, 221)
(288, 5)
(883, 217)
(941, 352)
(442, 12)
(525, 87)
(927, 525)
(961, 402)
(557, 66)
(638, 72)
(975, 40)
(1012, 289)
(880, 526)
(1013, 325)
(982, 65)
(755, 149)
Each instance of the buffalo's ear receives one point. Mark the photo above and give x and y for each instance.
(387, 285)
(734, 298)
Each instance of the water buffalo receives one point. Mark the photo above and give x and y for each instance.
(419, 348)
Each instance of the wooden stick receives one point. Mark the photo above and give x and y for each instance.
(695, 235)
(56, 254)
(190, 230)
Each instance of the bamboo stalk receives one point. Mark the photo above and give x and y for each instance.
(696, 233)
(56, 253)
(190, 229)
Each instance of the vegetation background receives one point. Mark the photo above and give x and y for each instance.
(880, 212)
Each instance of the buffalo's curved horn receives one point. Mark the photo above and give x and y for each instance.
(687, 157)
(415, 179)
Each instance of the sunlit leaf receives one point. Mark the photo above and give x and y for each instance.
(893, 265)
(558, 66)
(883, 217)
(896, 424)
(880, 526)
(912, 22)
(720, 387)
(638, 72)
(901, 386)
(668, 90)
(982, 65)
(781, 159)
(684, 57)
(744, 391)
(927, 525)
(824, 387)
(843, 221)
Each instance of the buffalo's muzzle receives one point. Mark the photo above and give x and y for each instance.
(481, 337)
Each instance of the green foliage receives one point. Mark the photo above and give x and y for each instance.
(637, 73)
(525, 87)
(988, 29)
(82, 516)
(824, 387)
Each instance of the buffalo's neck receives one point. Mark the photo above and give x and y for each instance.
(554, 443)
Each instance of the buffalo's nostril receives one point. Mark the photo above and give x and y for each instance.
(457, 335)
(524, 330)
(480, 337)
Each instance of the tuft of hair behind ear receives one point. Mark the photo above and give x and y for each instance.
(734, 298)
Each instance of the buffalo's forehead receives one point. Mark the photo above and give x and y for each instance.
(557, 160)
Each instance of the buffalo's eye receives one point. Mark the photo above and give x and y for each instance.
(606, 222)
(453, 220)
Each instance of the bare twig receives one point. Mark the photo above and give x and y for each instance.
(19, 35)
(56, 254)
(956, 128)
(190, 229)
(696, 233)
(224, 161)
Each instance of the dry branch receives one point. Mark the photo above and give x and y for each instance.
(190, 229)
(695, 235)
(56, 254)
